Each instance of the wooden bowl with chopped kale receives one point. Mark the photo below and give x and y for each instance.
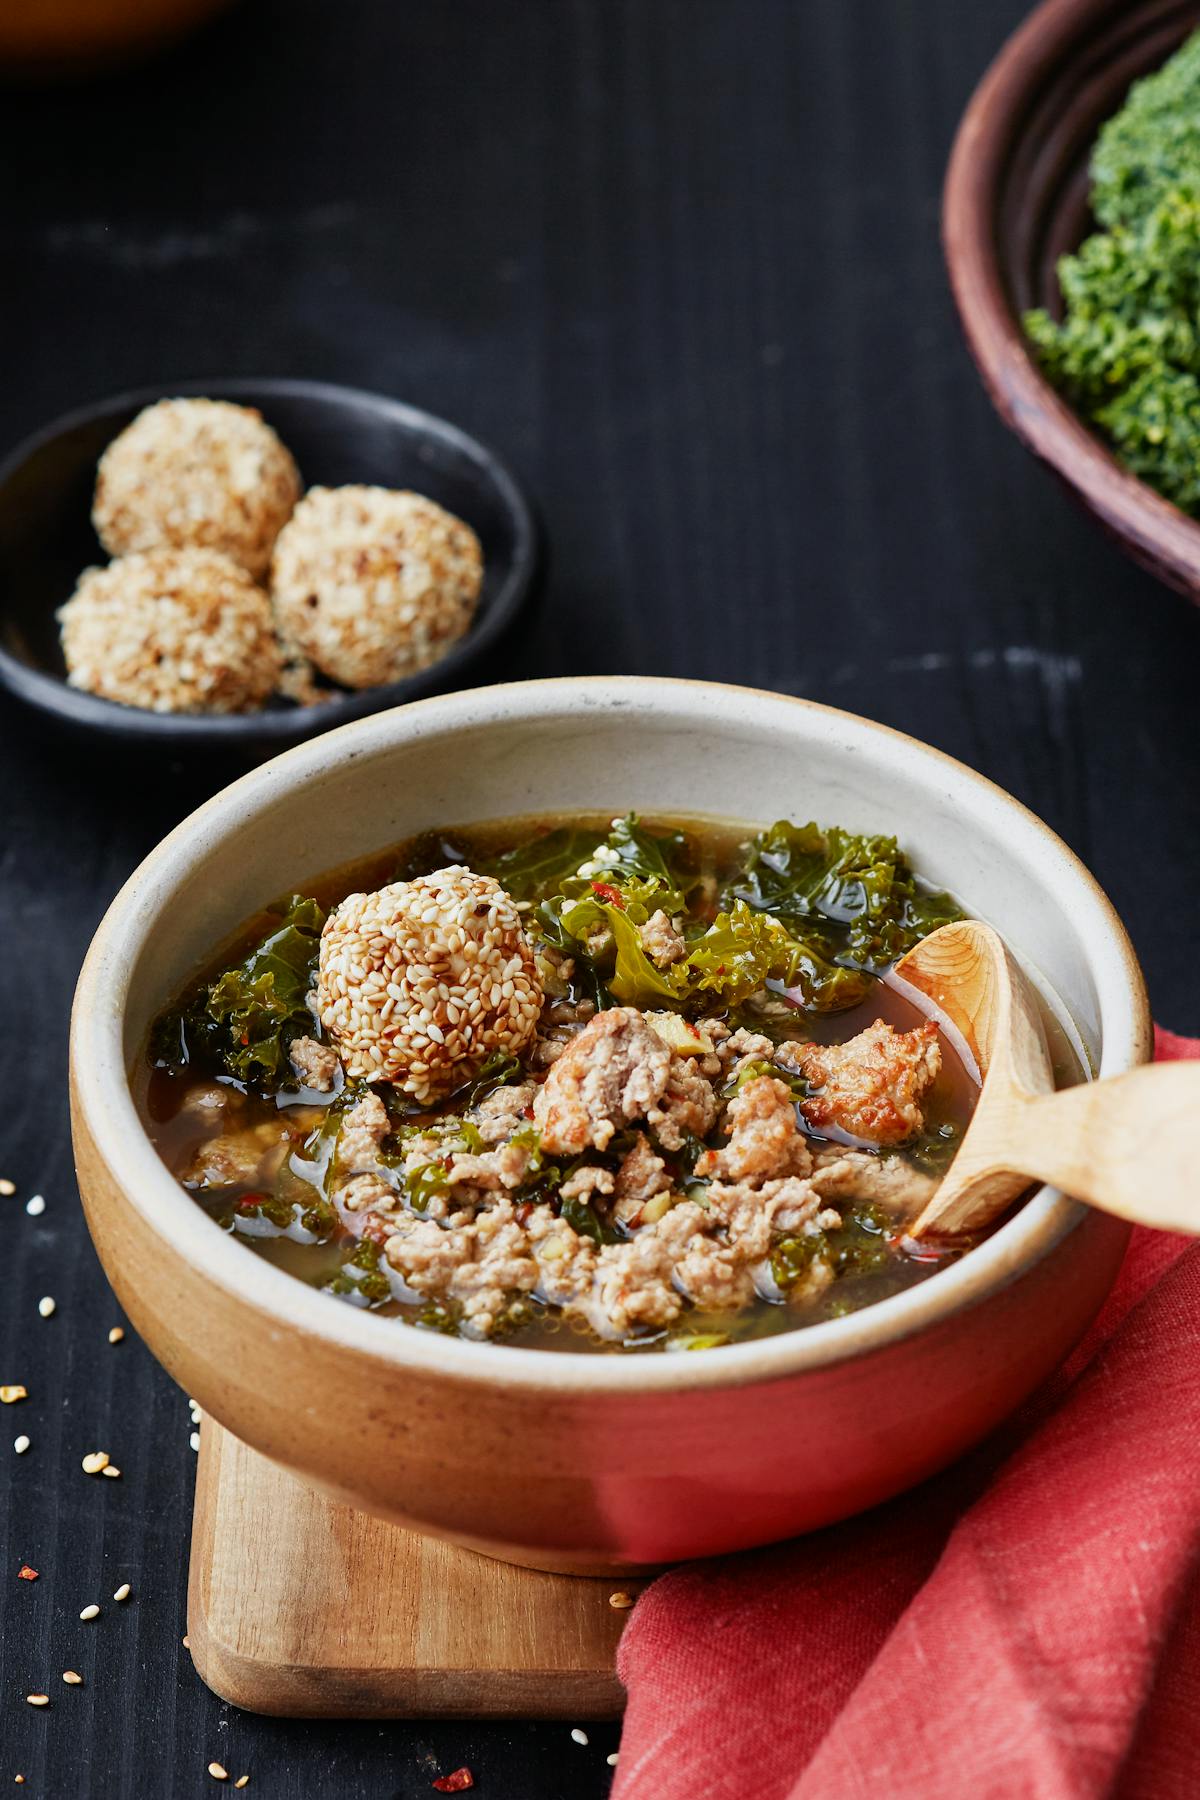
(1071, 223)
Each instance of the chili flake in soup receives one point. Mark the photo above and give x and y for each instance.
(597, 1086)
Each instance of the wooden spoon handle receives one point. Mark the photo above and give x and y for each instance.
(1129, 1145)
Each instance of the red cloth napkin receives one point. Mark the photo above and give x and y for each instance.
(1026, 1625)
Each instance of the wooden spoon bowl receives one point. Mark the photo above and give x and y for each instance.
(1015, 199)
(1125, 1145)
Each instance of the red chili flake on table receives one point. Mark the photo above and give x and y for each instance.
(25, 1573)
(607, 892)
(454, 1784)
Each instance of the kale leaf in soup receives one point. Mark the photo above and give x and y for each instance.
(599, 1085)
(247, 1017)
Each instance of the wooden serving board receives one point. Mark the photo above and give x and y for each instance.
(304, 1608)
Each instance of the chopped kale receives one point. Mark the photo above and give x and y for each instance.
(1126, 352)
(266, 1207)
(541, 865)
(310, 1219)
(635, 980)
(583, 1218)
(498, 1071)
(793, 1257)
(422, 1184)
(444, 1316)
(431, 850)
(640, 864)
(361, 1278)
(588, 980)
(647, 868)
(631, 875)
(859, 890)
(518, 1313)
(814, 913)
(1151, 148)
(245, 1021)
(861, 1245)
(743, 950)
(754, 1068)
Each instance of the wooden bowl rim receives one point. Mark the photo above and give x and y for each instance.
(1159, 533)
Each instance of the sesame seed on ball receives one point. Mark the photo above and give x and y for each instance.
(422, 981)
(373, 584)
(196, 474)
(171, 631)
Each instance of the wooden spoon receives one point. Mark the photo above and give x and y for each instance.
(1126, 1145)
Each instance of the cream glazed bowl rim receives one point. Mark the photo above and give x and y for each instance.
(101, 1072)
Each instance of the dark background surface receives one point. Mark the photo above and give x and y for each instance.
(677, 259)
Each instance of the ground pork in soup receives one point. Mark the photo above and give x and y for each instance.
(611, 1085)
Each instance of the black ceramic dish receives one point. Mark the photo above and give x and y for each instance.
(337, 435)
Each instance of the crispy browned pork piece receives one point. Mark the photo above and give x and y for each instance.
(618, 1070)
(361, 1137)
(481, 1263)
(660, 940)
(873, 1085)
(642, 1283)
(251, 1154)
(211, 1101)
(502, 1112)
(765, 1142)
(761, 1179)
(316, 1064)
(641, 1178)
(861, 1175)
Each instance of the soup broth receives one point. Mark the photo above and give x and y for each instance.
(715, 1128)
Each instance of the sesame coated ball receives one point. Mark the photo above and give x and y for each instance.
(422, 981)
(372, 584)
(196, 474)
(172, 631)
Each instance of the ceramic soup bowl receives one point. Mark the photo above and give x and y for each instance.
(574, 1461)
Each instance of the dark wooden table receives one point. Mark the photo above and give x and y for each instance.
(679, 260)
